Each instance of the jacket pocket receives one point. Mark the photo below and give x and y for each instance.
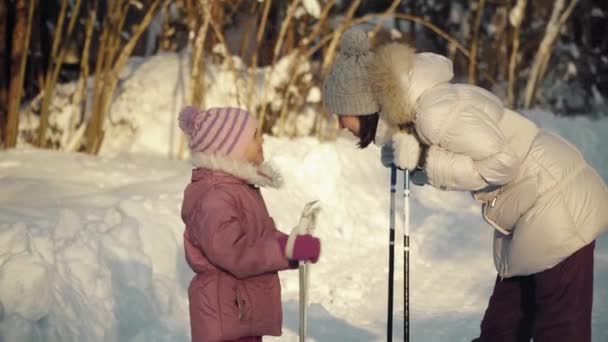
(265, 298)
(234, 308)
(509, 203)
(205, 311)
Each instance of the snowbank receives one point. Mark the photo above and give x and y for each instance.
(91, 247)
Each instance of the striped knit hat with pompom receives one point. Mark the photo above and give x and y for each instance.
(222, 131)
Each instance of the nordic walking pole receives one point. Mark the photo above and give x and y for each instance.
(306, 225)
(406, 255)
(391, 255)
(303, 273)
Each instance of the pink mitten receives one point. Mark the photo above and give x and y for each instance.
(305, 248)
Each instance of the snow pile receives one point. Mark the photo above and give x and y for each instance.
(92, 248)
(152, 91)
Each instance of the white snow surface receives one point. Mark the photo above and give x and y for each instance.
(91, 247)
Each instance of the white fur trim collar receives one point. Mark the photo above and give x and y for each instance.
(264, 175)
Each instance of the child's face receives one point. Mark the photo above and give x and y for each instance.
(254, 152)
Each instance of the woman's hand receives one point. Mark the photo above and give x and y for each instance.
(407, 151)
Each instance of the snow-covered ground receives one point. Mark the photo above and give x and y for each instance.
(91, 247)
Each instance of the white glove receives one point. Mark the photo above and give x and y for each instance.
(407, 150)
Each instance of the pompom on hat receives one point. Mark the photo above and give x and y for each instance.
(224, 131)
(346, 89)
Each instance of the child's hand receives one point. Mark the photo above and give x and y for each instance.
(305, 248)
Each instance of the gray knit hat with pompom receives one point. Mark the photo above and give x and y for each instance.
(346, 89)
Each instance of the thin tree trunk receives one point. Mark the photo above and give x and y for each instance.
(80, 97)
(220, 36)
(329, 57)
(3, 68)
(475, 42)
(254, 60)
(112, 68)
(261, 115)
(197, 81)
(413, 11)
(562, 21)
(286, 23)
(516, 17)
(167, 31)
(53, 72)
(21, 39)
(500, 68)
(197, 85)
(92, 125)
(546, 46)
(385, 15)
(319, 24)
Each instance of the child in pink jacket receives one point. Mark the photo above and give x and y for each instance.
(231, 242)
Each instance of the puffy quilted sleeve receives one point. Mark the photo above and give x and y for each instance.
(223, 240)
(468, 150)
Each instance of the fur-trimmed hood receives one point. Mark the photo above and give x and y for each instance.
(264, 175)
(398, 76)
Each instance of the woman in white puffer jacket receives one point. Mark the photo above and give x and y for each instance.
(546, 203)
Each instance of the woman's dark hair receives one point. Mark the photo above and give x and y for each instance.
(367, 129)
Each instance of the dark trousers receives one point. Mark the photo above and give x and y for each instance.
(553, 305)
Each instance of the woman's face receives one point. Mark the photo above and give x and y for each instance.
(254, 152)
(351, 123)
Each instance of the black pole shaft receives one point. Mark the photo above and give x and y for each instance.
(406, 327)
(406, 259)
(391, 255)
